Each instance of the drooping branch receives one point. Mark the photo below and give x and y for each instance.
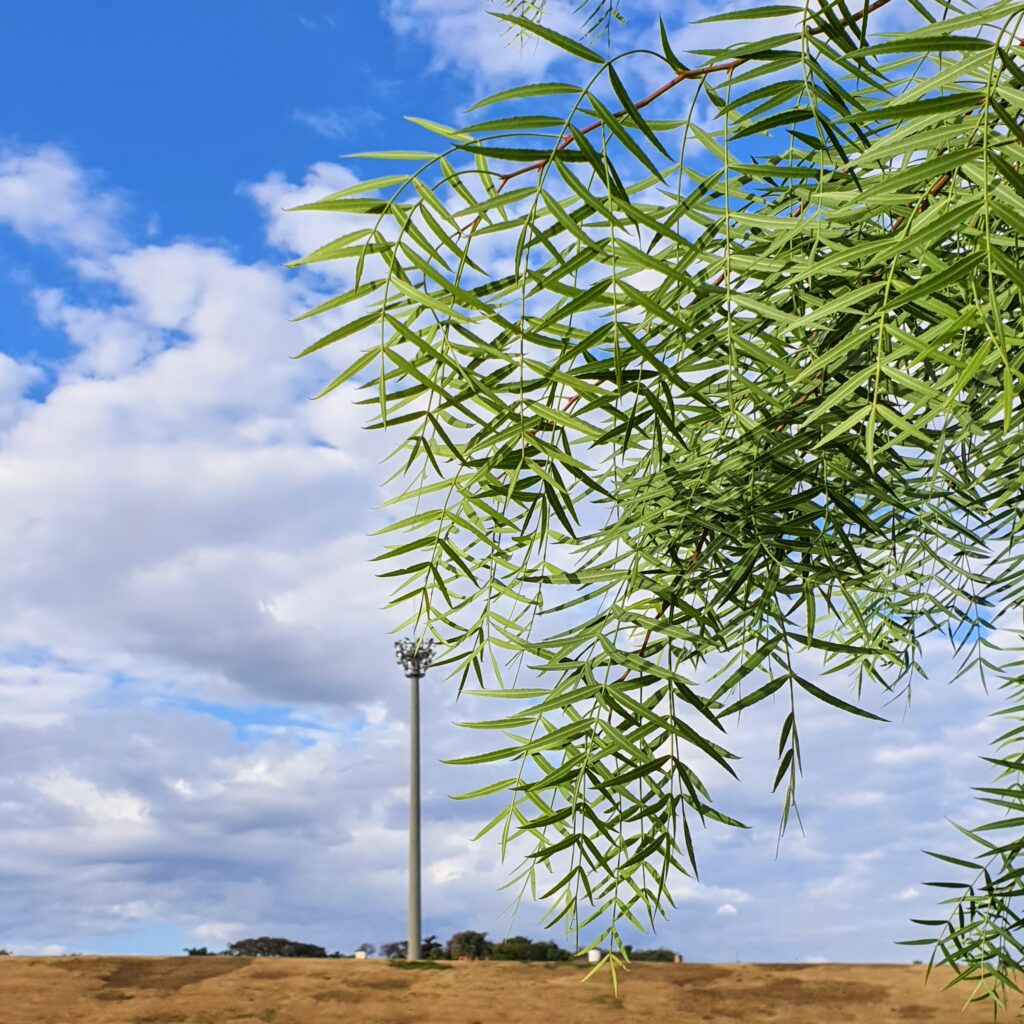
(686, 75)
(711, 538)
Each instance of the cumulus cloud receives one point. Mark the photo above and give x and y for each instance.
(300, 233)
(854, 876)
(159, 812)
(465, 39)
(46, 197)
(916, 753)
(690, 890)
(212, 501)
(221, 933)
(175, 497)
(463, 35)
(16, 378)
(201, 723)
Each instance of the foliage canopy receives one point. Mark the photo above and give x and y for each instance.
(266, 946)
(679, 401)
(469, 944)
(519, 947)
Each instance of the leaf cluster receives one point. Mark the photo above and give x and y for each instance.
(701, 414)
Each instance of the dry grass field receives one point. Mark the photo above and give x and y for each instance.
(219, 990)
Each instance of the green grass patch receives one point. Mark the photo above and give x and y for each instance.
(419, 965)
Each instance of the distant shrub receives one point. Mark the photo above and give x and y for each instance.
(265, 946)
(198, 951)
(523, 949)
(430, 949)
(368, 948)
(419, 965)
(473, 945)
(657, 956)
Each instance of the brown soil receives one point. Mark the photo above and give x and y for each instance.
(223, 990)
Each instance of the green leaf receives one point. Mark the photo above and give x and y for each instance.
(634, 114)
(836, 702)
(754, 14)
(666, 48)
(925, 44)
(572, 46)
(393, 154)
(349, 372)
(352, 327)
(754, 697)
(522, 92)
(439, 129)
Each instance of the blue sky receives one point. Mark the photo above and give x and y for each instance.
(201, 725)
(175, 109)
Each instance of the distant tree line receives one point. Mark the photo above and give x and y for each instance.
(468, 945)
(472, 945)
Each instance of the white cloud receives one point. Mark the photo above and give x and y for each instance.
(301, 232)
(329, 123)
(336, 124)
(727, 910)
(46, 197)
(854, 877)
(688, 890)
(465, 36)
(36, 698)
(221, 933)
(47, 950)
(93, 807)
(162, 814)
(176, 498)
(861, 798)
(110, 342)
(15, 379)
(917, 753)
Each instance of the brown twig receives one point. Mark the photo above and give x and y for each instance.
(923, 205)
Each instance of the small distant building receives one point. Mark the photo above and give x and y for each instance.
(360, 954)
(594, 956)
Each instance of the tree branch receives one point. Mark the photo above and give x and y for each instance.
(728, 67)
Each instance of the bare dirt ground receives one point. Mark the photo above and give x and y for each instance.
(219, 990)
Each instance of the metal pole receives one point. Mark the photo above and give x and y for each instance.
(415, 657)
(414, 952)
